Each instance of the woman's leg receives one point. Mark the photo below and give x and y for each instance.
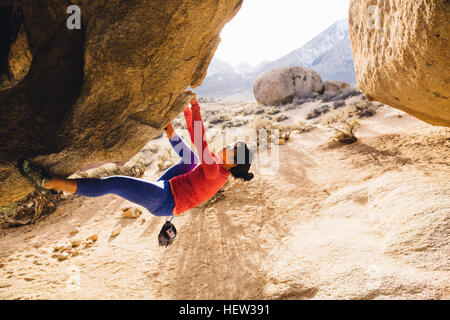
(152, 196)
(67, 185)
(189, 160)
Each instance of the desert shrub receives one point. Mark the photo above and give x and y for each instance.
(301, 127)
(259, 111)
(164, 160)
(348, 93)
(340, 95)
(218, 119)
(330, 96)
(235, 124)
(366, 109)
(273, 112)
(281, 118)
(285, 132)
(301, 100)
(345, 122)
(338, 104)
(317, 112)
(262, 124)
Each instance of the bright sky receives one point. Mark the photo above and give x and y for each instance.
(269, 29)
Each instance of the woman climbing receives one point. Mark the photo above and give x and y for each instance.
(185, 185)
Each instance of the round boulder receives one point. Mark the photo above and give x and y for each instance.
(281, 85)
(333, 86)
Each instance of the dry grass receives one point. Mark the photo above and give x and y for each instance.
(345, 122)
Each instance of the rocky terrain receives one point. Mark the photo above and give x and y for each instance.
(350, 198)
(368, 220)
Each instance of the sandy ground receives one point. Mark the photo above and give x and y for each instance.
(364, 221)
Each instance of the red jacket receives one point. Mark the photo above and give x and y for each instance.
(195, 187)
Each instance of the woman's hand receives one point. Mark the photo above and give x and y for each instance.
(194, 96)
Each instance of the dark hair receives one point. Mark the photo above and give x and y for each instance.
(243, 156)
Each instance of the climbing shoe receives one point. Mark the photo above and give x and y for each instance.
(37, 176)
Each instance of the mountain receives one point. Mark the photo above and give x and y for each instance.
(313, 50)
(218, 66)
(329, 53)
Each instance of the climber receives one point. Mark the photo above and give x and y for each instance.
(185, 185)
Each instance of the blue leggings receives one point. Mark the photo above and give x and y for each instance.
(155, 196)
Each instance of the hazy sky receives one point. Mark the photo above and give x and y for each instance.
(268, 29)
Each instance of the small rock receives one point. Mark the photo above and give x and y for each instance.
(75, 252)
(63, 256)
(75, 243)
(88, 243)
(30, 236)
(116, 232)
(131, 213)
(143, 220)
(94, 237)
(65, 245)
(75, 231)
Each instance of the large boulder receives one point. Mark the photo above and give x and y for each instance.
(330, 86)
(75, 99)
(281, 85)
(401, 53)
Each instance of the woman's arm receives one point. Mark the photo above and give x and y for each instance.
(170, 131)
(188, 117)
(209, 161)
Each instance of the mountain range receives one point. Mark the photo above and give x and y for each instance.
(329, 53)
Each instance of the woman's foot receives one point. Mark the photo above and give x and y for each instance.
(36, 175)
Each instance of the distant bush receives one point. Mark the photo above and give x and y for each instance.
(164, 160)
(366, 109)
(285, 132)
(344, 122)
(281, 118)
(301, 127)
(317, 112)
(338, 104)
(340, 95)
(218, 119)
(273, 112)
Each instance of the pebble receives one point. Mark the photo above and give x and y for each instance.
(75, 243)
(116, 232)
(131, 213)
(75, 231)
(63, 256)
(88, 243)
(94, 237)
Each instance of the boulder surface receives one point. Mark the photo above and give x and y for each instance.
(75, 99)
(401, 54)
(333, 86)
(281, 85)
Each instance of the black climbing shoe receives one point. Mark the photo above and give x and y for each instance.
(37, 176)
